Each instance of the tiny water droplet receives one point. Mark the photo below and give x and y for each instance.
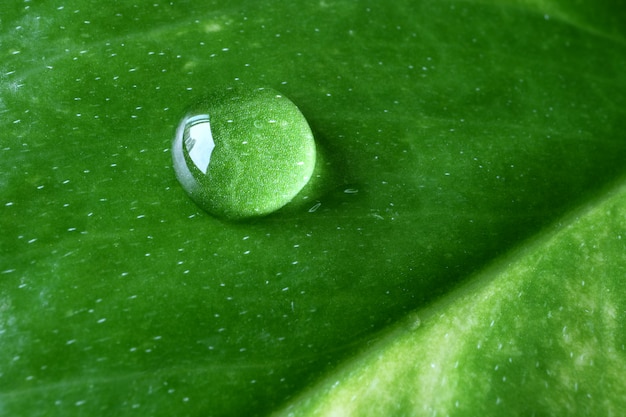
(243, 153)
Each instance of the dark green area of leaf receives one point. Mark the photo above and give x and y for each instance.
(453, 131)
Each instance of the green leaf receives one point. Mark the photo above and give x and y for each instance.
(452, 136)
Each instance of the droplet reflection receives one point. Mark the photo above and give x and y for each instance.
(199, 141)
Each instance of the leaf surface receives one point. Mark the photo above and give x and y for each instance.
(449, 134)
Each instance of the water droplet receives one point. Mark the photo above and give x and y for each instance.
(243, 153)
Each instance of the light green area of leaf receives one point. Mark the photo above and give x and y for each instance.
(539, 333)
(452, 135)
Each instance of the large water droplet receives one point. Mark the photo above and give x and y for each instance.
(243, 153)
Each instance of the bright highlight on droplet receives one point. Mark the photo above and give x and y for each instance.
(243, 153)
(198, 141)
